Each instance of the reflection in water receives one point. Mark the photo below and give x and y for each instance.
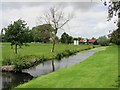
(10, 80)
(46, 67)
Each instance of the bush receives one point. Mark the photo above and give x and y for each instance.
(23, 62)
(103, 41)
(66, 53)
(58, 56)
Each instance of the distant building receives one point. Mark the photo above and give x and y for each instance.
(85, 41)
(91, 41)
(76, 42)
(81, 41)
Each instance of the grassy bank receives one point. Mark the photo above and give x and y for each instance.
(35, 53)
(98, 71)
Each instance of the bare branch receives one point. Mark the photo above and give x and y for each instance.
(63, 24)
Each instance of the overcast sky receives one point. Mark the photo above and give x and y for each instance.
(90, 18)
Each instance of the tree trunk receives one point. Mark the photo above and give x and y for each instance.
(53, 49)
(53, 46)
(16, 48)
(53, 66)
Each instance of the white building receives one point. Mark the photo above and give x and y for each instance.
(76, 42)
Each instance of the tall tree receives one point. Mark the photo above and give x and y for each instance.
(16, 33)
(115, 36)
(41, 33)
(114, 10)
(57, 19)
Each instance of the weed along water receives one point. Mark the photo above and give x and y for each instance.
(11, 80)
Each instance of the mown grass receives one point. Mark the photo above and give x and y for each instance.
(39, 49)
(98, 71)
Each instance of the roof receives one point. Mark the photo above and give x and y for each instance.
(91, 40)
(81, 40)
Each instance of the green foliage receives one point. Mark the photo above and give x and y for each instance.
(16, 33)
(115, 37)
(65, 53)
(65, 38)
(103, 41)
(41, 33)
(23, 62)
(113, 8)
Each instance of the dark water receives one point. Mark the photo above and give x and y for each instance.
(11, 80)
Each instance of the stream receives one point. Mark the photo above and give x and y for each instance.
(11, 80)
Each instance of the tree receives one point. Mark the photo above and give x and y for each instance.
(70, 39)
(56, 18)
(103, 41)
(115, 37)
(65, 38)
(16, 33)
(41, 33)
(113, 8)
(1, 36)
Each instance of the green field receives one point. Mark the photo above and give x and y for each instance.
(39, 49)
(35, 53)
(98, 71)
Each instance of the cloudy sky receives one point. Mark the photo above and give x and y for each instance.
(90, 18)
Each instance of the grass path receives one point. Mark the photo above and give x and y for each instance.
(98, 71)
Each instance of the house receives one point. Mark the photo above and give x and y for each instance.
(76, 42)
(83, 41)
(87, 41)
(90, 41)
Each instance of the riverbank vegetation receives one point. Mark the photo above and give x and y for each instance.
(98, 71)
(36, 53)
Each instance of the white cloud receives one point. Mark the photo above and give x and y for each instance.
(87, 22)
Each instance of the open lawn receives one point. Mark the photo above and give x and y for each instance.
(98, 71)
(39, 49)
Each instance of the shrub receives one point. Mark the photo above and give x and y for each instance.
(58, 56)
(23, 62)
(65, 53)
(103, 41)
